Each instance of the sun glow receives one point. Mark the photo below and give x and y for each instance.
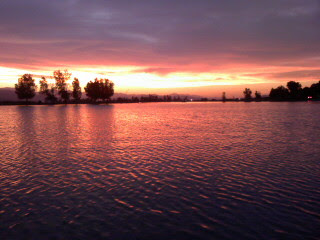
(127, 77)
(137, 79)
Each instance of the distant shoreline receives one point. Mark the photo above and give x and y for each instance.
(23, 103)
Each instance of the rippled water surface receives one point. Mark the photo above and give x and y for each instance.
(160, 171)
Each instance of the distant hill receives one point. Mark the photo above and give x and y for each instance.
(8, 94)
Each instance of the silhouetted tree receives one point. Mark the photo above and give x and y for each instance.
(92, 90)
(315, 90)
(224, 96)
(26, 87)
(106, 89)
(134, 99)
(258, 96)
(65, 95)
(61, 83)
(49, 93)
(51, 96)
(295, 90)
(247, 94)
(43, 86)
(280, 93)
(167, 98)
(306, 93)
(76, 89)
(103, 89)
(177, 98)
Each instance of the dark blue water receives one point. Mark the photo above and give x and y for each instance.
(160, 171)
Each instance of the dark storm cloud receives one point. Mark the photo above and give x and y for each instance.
(160, 33)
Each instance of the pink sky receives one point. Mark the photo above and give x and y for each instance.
(198, 47)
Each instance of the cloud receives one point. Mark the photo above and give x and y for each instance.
(160, 36)
(157, 70)
(301, 74)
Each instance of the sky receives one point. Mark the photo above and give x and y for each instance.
(147, 46)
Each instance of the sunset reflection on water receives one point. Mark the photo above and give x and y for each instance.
(170, 170)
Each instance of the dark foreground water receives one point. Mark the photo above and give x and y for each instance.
(160, 171)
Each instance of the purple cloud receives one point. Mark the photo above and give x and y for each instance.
(159, 34)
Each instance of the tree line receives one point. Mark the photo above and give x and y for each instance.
(60, 90)
(103, 89)
(295, 92)
(292, 92)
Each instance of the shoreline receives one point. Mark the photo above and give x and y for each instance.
(23, 103)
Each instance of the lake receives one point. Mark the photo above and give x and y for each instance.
(160, 171)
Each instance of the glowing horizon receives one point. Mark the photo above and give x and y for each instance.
(134, 79)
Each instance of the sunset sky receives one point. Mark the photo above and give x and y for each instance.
(187, 46)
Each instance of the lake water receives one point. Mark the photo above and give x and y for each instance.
(160, 171)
